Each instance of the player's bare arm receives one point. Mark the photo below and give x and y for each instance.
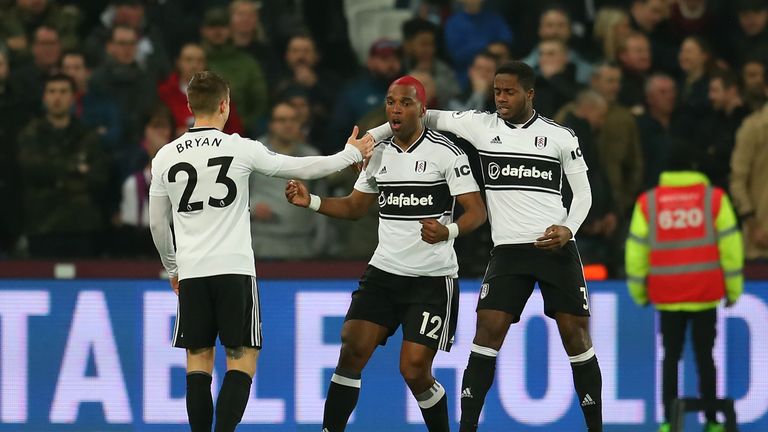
(474, 215)
(352, 206)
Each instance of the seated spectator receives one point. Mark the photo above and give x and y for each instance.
(94, 110)
(479, 95)
(753, 75)
(311, 129)
(611, 27)
(750, 39)
(46, 54)
(635, 59)
(14, 114)
(304, 71)
(364, 94)
(151, 54)
(420, 54)
(131, 236)
(279, 229)
(692, 18)
(249, 35)
(556, 81)
(597, 239)
(468, 31)
(246, 79)
(660, 126)
(124, 81)
(173, 91)
(554, 23)
(715, 131)
(650, 17)
(696, 61)
(64, 170)
(19, 23)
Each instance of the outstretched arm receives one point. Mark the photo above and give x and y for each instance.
(352, 206)
(456, 122)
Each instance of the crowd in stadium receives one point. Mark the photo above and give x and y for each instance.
(89, 91)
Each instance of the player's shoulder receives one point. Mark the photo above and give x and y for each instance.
(553, 128)
(478, 117)
(441, 145)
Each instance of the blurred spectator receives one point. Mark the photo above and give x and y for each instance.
(618, 150)
(468, 31)
(279, 229)
(13, 116)
(501, 51)
(132, 88)
(311, 129)
(94, 110)
(131, 235)
(595, 234)
(659, 126)
(750, 39)
(611, 27)
(554, 23)
(64, 170)
(46, 53)
(650, 18)
(420, 54)
(151, 53)
(748, 179)
(635, 60)
(556, 80)
(715, 131)
(246, 79)
(692, 18)
(304, 71)
(753, 75)
(249, 35)
(430, 87)
(696, 61)
(18, 24)
(364, 94)
(173, 91)
(479, 95)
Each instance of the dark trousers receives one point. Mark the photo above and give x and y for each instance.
(673, 330)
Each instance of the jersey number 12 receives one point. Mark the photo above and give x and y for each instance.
(184, 205)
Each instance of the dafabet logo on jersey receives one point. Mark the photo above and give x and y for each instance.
(520, 171)
(404, 200)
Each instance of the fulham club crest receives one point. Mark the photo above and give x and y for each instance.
(541, 142)
(421, 166)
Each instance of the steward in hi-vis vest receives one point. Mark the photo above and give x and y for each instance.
(684, 254)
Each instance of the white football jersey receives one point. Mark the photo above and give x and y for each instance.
(412, 185)
(522, 167)
(205, 175)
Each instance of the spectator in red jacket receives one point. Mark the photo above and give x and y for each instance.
(173, 91)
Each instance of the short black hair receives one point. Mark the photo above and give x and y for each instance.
(59, 77)
(416, 26)
(525, 74)
(728, 78)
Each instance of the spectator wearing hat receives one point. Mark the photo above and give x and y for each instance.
(469, 31)
(248, 88)
(750, 39)
(151, 54)
(364, 94)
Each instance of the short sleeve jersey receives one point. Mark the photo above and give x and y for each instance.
(523, 167)
(205, 175)
(419, 183)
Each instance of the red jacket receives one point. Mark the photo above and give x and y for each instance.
(171, 95)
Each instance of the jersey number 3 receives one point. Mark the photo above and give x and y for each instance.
(184, 204)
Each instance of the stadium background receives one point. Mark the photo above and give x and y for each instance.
(84, 345)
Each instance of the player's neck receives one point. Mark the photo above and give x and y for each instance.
(406, 142)
(207, 122)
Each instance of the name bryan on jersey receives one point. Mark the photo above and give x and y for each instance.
(198, 142)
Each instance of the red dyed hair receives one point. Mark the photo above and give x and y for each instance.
(410, 81)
